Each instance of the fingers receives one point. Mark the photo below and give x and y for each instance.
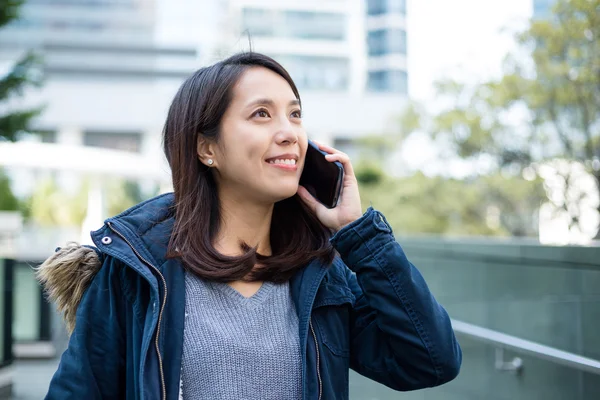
(326, 148)
(336, 155)
(344, 160)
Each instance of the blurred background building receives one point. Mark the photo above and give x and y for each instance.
(343, 54)
(121, 53)
(112, 67)
(386, 46)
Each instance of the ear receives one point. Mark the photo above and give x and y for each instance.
(206, 151)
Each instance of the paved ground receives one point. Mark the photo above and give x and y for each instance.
(32, 378)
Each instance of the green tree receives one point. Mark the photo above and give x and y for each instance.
(444, 206)
(13, 121)
(545, 106)
(8, 202)
(50, 206)
(123, 194)
(368, 173)
(25, 72)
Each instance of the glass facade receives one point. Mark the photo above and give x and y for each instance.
(379, 7)
(294, 24)
(26, 297)
(392, 81)
(386, 41)
(255, 20)
(82, 25)
(131, 142)
(317, 73)
(47, 136)
(92, 3)
(77, 16)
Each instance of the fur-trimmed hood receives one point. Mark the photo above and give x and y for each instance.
(66, 275)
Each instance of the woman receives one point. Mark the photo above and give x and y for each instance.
(240, 285)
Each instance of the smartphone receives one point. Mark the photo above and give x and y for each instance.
(323, 179)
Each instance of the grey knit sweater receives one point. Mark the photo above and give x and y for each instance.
(240, 348)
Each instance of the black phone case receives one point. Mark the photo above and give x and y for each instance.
(322, 178)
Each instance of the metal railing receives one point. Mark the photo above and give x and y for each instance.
(503, 342)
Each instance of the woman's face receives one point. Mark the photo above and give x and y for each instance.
(262, 144)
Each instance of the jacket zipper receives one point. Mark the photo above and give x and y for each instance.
(318, 358)
(160, 314)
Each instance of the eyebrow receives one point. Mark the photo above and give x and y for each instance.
(270, 102)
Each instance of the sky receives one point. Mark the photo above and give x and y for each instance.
(460, 38)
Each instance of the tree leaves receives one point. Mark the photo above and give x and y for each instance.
(26, 72)
(494, 205)
(16, 122)
(9, 10)
(8, 202)
(545, 106)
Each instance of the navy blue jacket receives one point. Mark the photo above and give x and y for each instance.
(370, 310)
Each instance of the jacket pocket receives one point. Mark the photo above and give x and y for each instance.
(331, 311)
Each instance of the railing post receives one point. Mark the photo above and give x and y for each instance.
(515, 365)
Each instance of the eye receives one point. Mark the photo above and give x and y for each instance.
(261, 113)
(296, 114)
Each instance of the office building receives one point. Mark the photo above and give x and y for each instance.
(343, 54)
(112, 66)
(386, 46)
(103, 60)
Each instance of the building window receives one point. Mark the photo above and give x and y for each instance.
(349, 146)
(92, 3)
(380, 7)
(294, 24)
(390, 81)
(317, 73)
(26, 320)
(388, 41)
(112, 140)
(46, 136)
(258, 22)
(312, 25)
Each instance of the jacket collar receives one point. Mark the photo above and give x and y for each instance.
(142, 230)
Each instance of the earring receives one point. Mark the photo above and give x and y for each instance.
(210, 161)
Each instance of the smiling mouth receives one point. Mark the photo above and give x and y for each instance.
(282, 161)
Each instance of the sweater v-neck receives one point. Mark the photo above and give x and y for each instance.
(256, 299)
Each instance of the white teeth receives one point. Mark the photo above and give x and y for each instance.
(282, 161)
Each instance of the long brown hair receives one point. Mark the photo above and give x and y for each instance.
(297, 236)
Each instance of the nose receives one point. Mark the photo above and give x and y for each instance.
(286, 134)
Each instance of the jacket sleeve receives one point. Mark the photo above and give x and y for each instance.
(400, 335)
(93, 366)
